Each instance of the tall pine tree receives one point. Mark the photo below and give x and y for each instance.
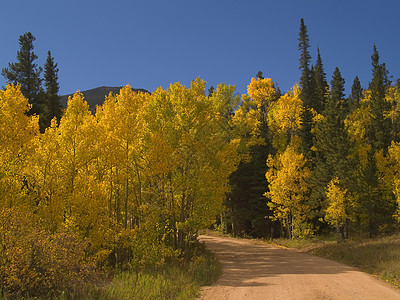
(356, 94)
(379, 133)
(307, 89)
(26, 72)
(331, 144)
(305, 57)
(52, 107)
(374, 205)
(321, 85)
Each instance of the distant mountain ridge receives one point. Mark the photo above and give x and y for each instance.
(97, 95)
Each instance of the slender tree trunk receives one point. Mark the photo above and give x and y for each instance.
(126, 185)
(126, 202)
(111, 193)
(337, 232)
(181, 219)
(118, 199)
(289, 227)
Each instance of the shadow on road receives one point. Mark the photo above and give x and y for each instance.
(241, 260)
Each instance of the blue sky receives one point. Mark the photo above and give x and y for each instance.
(148, 44)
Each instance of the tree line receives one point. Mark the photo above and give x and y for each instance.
(331, 159)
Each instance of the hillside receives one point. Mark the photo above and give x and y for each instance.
(96, 96)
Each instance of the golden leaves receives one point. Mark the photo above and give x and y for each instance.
(286, 113)
(262, 91)
(288, 187)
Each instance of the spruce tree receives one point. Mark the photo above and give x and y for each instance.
(337, 105)
(374, 206)
(356, 94)
(52, 107)
(321, 85)
(307, 89)
(379, 133)
(26, 72)
(332, 144)
(306, 75)
(211, 91)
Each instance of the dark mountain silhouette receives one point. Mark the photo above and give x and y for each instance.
(97, 95)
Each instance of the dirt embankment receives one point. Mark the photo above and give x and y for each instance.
(259, 271)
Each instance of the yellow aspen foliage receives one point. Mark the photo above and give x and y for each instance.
(340, 205)
(44, 177)
(357, 123)
(82, 195)
(123, 126)
(36, 263)
(389, 171)
(17, 130)
(76, 143)
(335, 213)
(288, 189)
(124, 187)
(287, 111)
(194, 154)
(250, 119)
(224, 100)
(285, 116)
(392, 96)
(262, 91)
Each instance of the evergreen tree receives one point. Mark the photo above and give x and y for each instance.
(379, 133)
(332, 144)
(211, 90)
(356, 94)
(337, 105)
(26, 72)
(375, 206)
(305, 79)
(321, 85)
(246, 204)
(260, 75)
(52, 107)
(307, 89)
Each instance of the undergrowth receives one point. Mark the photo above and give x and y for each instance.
(176, 279)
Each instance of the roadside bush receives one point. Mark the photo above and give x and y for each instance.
(34, 262)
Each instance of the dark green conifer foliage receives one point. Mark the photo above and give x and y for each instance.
(246, 203)
(52, 107)
(307, 89)
(306, 75)
(332, 144)
(379, 133)
(356, 94)
(26, 72)
(260, 75)
(337, 106)
(376, 208)
(210, 91)
(321, 85)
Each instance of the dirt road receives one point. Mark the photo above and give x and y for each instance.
(259, 271)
